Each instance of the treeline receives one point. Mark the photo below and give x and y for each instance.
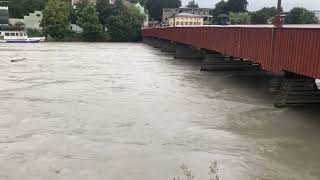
(237, 13)
(100, 22)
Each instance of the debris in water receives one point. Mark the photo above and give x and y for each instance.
(17, 60)
(213, 172)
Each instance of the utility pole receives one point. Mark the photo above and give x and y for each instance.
(277, 21)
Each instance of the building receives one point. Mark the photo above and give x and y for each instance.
(74, 2)
(317, 13)
(186, 19)
(204, 12)
(32, 21)
(4, 16)
(142, 11)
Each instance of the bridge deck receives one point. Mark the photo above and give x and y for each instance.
(293, 48)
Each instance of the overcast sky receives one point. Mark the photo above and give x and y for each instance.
(258, 4)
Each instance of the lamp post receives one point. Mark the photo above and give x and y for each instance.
(277, 21)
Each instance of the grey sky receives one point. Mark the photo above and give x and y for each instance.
(258, 4)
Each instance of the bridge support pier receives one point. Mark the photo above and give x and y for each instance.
(187, 52)
(148, 40)
(217, 62)
(297, 90)
(164, 45)
(167, 46)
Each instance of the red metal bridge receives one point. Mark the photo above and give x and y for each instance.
(293, 48)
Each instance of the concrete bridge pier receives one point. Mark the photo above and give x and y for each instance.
(168, 46)
(297, 90)
(164, 45)
(187, 52)
(147, 40)
(214, 61)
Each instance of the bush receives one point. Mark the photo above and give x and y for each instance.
(239, 18)
(34, 33)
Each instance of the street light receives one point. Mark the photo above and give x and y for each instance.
(277, 21)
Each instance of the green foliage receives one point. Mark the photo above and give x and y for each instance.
(82, 4)
(220, 8)
(126, 26)
(20, 8)
(225, 7)
(20, 26)
(192, 4)
(105, 11)
(34, 33)
(262, 16)
(88, 20)
(142, 2)
(55, 22)
(119, 7)
(239, 18)
(75, 12)
(301, 16)
(237, 5)
(155, 7)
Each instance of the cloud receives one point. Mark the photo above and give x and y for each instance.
(258, 4)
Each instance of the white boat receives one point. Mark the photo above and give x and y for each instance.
(18, 37)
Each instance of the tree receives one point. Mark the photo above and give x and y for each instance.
(105, 11)
(220, 8)
(262, 16)
(55, 22)
(119, 7)
(237, 5)
(20, 26)
(155, 7)
(301, 16)
(82, 4)
(88, 20)
(239, 18)
(126, 26)
(20, 8)
(192, 4)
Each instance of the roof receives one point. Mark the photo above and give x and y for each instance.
(187, 15)
(186, 8)
(285, 26)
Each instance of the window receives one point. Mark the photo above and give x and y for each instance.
(17, 34)
(6, 34)
(178, 23)
(195, 23)
(182, 23)
(12, 34)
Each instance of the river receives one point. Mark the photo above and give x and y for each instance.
(126, 111)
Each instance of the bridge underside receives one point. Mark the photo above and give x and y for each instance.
(292, 88)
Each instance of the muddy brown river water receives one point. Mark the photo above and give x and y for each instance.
(126, 111)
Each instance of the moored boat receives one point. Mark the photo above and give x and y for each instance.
(18, 37)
